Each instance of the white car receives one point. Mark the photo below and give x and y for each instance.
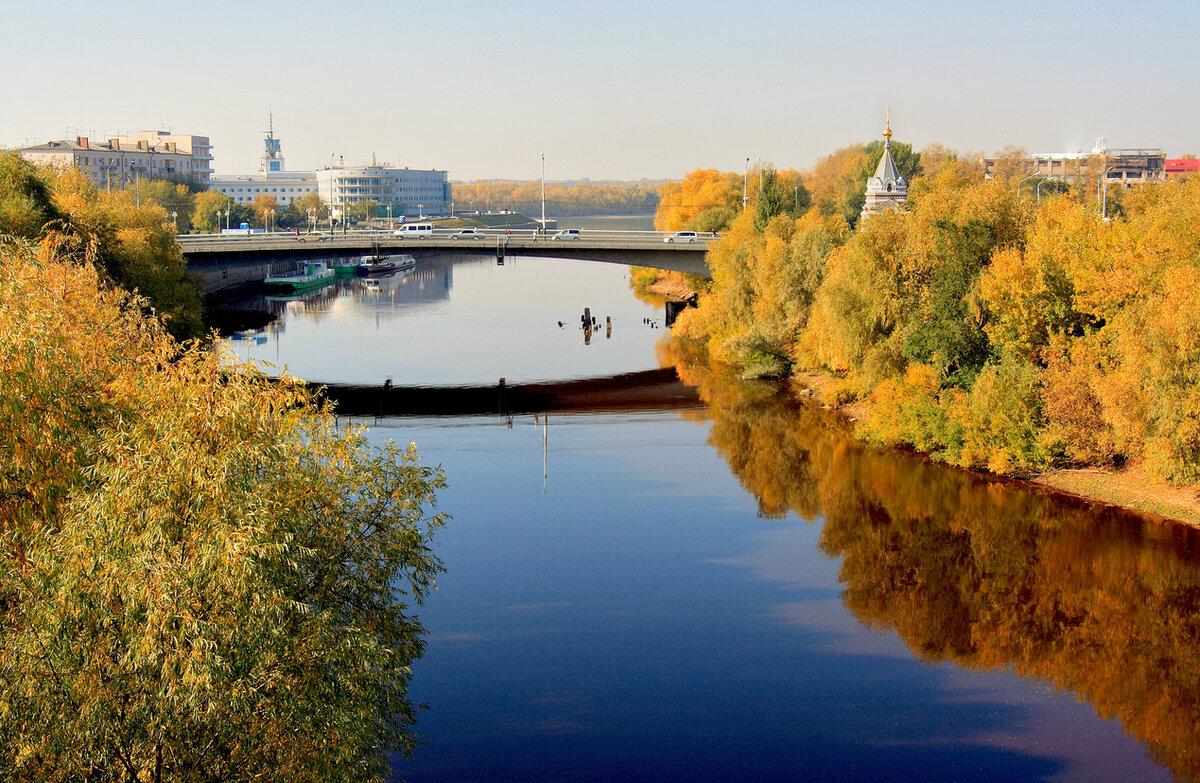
(467, 233)
(566, 234)
(682, 236)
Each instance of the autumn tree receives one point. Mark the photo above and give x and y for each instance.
(298, 211)
(363, 210)
(769, 201)
(264, 207)
(26, 204)
(206, 208)
(201, 577)
(175, 199)
(133, 245)
(699, 191)
(562, 198)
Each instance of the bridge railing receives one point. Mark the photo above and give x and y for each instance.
(621, 236)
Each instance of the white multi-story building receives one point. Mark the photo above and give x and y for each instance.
(124, 159)
(407, 192)
(285, 186)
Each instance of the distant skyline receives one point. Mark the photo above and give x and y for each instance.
(618, 90)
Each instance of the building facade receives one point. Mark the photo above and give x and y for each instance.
(123, 160)
(285, 186)
(1178, 168)
(886, 189)
(407, 192)
(199, 147)
(1119, 166)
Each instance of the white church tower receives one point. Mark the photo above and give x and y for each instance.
(886, 189)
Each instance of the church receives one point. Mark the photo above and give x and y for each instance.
(886, 189)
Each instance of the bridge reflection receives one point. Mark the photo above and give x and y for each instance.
(650, 390)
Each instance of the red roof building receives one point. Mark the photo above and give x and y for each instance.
(1182, 167)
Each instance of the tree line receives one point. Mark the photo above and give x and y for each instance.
(562, 199)
(986, 326)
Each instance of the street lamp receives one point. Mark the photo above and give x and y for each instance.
(745, 185)
(175, 221)
(1022, 182)
(1041, 182)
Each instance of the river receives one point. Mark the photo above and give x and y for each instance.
(723, 584)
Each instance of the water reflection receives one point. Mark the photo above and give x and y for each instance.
(978, 572)
(462, 320)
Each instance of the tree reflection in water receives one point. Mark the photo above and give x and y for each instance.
(981, 572)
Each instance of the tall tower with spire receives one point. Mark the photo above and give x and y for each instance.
(272, 159)
(886, 189)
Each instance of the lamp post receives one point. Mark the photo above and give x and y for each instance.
(1041, 182)
(543, 228)
(175, 220)
(1022, 182)
(745, 185)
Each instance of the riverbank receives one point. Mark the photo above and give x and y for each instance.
(1131, 487)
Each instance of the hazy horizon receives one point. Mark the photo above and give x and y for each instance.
(615, 92)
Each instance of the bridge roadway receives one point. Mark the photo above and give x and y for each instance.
(227, 261)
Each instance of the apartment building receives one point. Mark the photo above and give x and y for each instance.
(122, 160)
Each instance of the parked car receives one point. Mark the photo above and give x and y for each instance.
(567, 233)
(467, 233)
(681, 236)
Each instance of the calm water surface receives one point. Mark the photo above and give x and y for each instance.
(735, 589)
(464, 320)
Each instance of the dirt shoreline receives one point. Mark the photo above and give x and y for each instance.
(1131, 487)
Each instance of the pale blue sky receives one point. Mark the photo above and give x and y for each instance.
(606, 90)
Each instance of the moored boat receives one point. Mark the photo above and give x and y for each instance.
(315, 275)
(380, 264)
(346, 267)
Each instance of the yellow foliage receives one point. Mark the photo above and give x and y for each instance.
(700, 190)
(190, 551)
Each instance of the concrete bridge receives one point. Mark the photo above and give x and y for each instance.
(229, 261)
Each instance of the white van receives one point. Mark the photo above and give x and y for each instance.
(414, 231)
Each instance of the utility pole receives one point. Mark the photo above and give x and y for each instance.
(543, 192)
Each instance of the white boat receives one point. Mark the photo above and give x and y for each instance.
(315, 275)
(380, 264)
